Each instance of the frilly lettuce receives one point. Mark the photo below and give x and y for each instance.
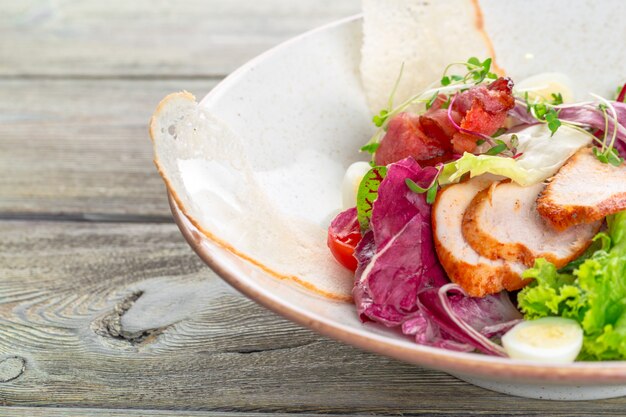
(594, 295)
(541, 156)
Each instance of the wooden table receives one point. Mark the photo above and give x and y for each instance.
(104, 309)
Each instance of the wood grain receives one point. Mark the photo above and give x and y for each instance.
(81, 80)
(122, 319)
(82, 147)
(150, 38)
(101, 412)
(96, 412)
(125, 315)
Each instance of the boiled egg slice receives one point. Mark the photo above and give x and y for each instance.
(351, 181)
(548, 339)
(540, 87)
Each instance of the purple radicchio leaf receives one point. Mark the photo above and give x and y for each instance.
(396, 204)
(466, 318)
(404, 261)
(522, 115)
(399, 281)
(585, 114)
(590, 115)
(344, 223)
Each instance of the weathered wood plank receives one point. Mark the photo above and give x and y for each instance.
(82, 146)
(96, 412)
(143, 37)
(99, 412)
(83, 412)
(125, 315)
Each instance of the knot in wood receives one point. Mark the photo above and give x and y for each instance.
(11, 368)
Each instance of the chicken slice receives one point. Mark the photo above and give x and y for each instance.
(583, 191)
(502, 222)
(478, 275)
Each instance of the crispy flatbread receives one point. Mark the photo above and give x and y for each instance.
(204, 167)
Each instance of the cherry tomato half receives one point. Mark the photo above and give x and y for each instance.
(343, 236)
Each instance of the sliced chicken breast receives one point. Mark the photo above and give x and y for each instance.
(583, 191)
(478, 275)
(502, 222)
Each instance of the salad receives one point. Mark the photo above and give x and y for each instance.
(491, 218)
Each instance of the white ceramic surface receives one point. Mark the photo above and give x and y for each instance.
(284, 106)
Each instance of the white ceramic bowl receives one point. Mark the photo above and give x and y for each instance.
(312, 82)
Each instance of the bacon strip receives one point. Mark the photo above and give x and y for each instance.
(432, 138)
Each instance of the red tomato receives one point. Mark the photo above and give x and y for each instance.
(343, 235)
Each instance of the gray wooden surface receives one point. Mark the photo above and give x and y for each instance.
(104, 309)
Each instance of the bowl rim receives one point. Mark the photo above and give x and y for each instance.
(608, 372)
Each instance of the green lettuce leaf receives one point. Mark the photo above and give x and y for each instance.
(594, 294)
(551, 294)
(601, 241)
(481, 164)
(541, 154)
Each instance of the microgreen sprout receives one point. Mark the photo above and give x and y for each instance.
(552, 118)
(499, 132)
(497, 149)
(446, 104)
(380, 118)
(557, 99)
(500, 147)
(602, 108)
(608, 154)
(431, 194)
(548, 112)
(430, 190)
(476, 73)
(370, 147)
(383, 115)
(395, 87)
(431, 101)
(544, 112)
(414, 187)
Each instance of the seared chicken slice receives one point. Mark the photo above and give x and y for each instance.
(583, 191)
(502, 222)
(478, 275)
